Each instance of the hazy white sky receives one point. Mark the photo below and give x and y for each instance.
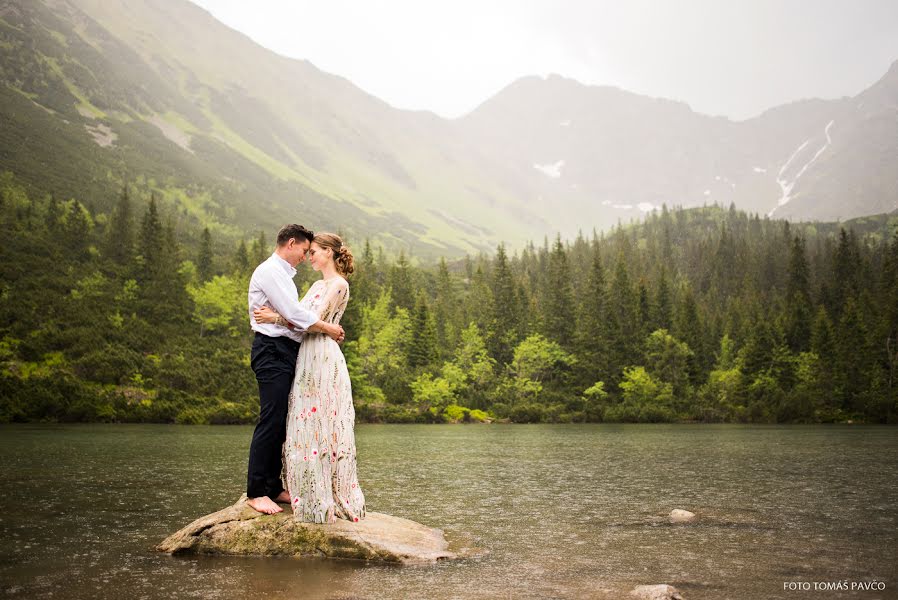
(722, 57)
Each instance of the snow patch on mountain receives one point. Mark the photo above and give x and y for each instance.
(785, 185)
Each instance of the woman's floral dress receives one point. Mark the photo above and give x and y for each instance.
(319, 452)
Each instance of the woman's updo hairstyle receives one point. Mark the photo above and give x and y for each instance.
(342, 253)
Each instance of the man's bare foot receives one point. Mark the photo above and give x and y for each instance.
(283, 497)
(264, 505)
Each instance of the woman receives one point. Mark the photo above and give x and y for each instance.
(319, 452)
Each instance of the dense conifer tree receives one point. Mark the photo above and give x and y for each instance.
(663, 318)
(422, 350)
(505, 308)
(592, 331)
(77, 232)
(241, 258)
(622, 326)
(798, 299)
(401, 282)
(120, 231)
(204, 260)
(445, 311)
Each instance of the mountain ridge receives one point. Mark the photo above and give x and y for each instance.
(242, 138)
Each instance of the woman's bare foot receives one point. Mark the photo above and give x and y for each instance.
(283, 497)
(264, 505)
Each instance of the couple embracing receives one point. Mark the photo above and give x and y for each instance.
(303, 448)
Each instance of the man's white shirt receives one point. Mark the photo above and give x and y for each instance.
(272, 285)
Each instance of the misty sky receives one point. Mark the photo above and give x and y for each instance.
(722, 57)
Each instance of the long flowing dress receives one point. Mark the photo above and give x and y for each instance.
(319, 453)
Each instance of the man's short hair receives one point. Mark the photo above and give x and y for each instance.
(294, 231)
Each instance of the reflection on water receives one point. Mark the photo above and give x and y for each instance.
(566, 511)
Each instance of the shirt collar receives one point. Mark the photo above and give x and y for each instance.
(284, 264)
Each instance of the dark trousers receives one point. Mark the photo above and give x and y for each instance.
(273, 360)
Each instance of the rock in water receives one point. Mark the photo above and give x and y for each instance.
(656, 592)
(679, 515)
(239, 529)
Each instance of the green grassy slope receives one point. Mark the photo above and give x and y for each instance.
(230, 132)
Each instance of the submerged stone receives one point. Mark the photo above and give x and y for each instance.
(660, 591)
(240, 530)
(678, 515)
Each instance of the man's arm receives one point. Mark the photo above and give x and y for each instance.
(284, 301)
(266, 314)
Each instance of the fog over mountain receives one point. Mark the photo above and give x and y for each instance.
(161, 95)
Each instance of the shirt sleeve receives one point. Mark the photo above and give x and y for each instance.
(282, 296)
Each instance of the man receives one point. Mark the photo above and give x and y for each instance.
(273, 360)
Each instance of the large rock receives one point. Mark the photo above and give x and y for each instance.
(678, 515)
(238, 529)
(656, 592)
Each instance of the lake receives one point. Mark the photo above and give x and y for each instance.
(565, 511)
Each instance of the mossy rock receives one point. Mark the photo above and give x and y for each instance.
(240, 530)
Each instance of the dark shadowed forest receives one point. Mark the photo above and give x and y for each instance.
(703, 314)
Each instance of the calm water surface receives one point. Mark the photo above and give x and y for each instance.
(566, 511)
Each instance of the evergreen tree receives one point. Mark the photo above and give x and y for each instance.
(362, 292)
(689, 329)
(401, 283)
(823, 345)
(756, 354)
(623, 347)
(478, 300)
(76, 233)
(162, 286)
(889, 311)
(663, 307)
(365, 286)
(445, 311)
(55, 216)
(799, 310)
(846, 269)
(120, 233)
(151, 237)
(505, 330)
(666, 358)
(260, 250)
(241, 258)
(645, 310)
(559, 315)
(592, 333)
(173, 280)
(723, 271)
(422, 348)
(667, 250)
(852, 358)
(204, 260)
